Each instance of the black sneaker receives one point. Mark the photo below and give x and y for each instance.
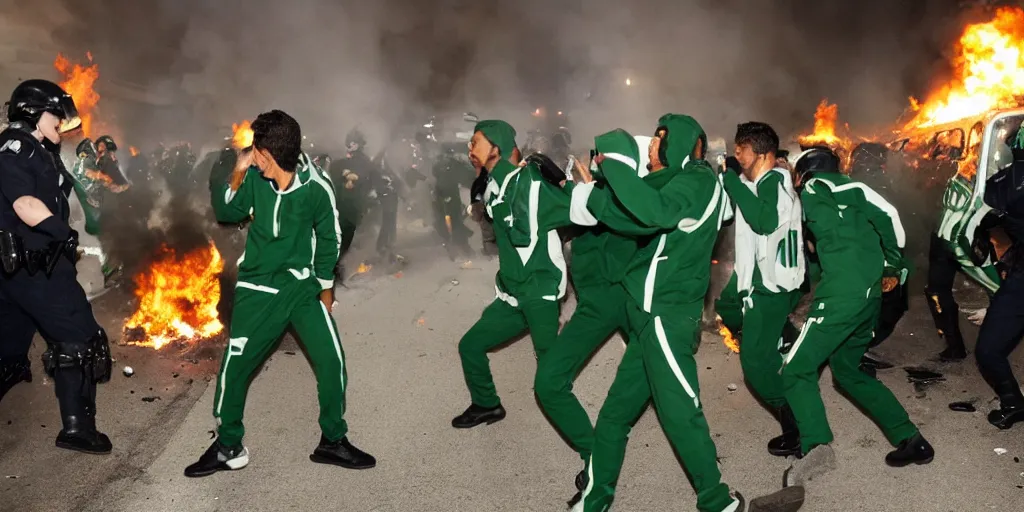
(914, 450)
(476, 415)
(218, 458)
(875, 361)
(341, 453)
(582, 479)
(1006, 416)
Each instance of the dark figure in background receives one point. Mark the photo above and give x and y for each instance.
(478, 211)
(353, 179)
(388, 188)
(868, 167)
(452, 170)
(1003, 327)
(106, 152)
(39, 291)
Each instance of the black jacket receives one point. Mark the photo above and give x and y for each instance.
(29, 169)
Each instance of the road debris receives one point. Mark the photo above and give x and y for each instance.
(128, 371)
(962, 407)
(1000, 451)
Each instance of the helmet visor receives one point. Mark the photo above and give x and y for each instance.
(68, 114)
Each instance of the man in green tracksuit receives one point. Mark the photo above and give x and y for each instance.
(285, 277)
(769, 268)
(599, 259)
(678, 209)
(531, 278)
(858, 239)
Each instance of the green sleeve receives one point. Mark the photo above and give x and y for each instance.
(554, 206)
(327, 230)
(592, 205)
(681, 198)
(885, 219)
(92, 214)
(760, 210)
(234, 207)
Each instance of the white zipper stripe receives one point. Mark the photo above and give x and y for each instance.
(659, 331)
(233, 343)
(800, 340)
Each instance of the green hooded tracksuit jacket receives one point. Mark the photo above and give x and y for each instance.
(599, 260)
(531, 277)
(290, 254)
(678, 212)
(769, 272)
(859, 238)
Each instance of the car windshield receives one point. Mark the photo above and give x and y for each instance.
(1004, 131)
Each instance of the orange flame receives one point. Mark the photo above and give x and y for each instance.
(989, 72)
(178, 299)
(241, 135)
(364, 268)
(825, 118)
(78, 82)
(730, 341)
(134, 151)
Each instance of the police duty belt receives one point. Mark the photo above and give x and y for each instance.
(14, 256)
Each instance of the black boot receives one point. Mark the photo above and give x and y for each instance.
(789, 442)
(13, 371)
(476, 415)
(874, 361)
(341, 453)
(76, 396)
(218, 458)
(947, 321)
(914, 450)
(1011, 405)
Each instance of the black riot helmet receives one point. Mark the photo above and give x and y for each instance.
(109, 142)
(815, 160)
(355, 137)
(33, 97)
(86, 149)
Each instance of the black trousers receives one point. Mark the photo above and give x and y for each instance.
(942, 269)
(388, 223)
(56, 307)
(1000, 334)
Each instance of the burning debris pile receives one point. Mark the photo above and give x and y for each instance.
(989, 73)
(178, 299)
(826, 117)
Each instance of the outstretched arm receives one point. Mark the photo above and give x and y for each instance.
(760, 210)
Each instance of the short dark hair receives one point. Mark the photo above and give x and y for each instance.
(761, 137)
(279, 134)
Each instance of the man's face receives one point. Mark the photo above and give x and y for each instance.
(481, 150)
(352, 147)
(747, 158)
(262, 160)
(653, 149)
(49, 125)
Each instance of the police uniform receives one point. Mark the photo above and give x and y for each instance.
(39, 291)
(1004, 322)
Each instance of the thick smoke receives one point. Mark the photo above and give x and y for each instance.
(184, 70)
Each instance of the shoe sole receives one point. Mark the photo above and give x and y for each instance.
(785, 453)
(68, 446)
(789, 499)
(905, 464)
(477, 424)
(319, 459)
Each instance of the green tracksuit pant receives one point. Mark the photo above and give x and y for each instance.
(261, 314)
(838, 331)
(659, 365)
(729, 306)
(763, 323)
(600, 311)
(499, 323)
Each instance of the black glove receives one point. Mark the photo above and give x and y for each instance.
(551, 172)
(732, 164)
(57, 229)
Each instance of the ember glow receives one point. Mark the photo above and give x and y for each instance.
(989, 63)
(134, 150)
(78, 82)
(241, 135)
(178, 298)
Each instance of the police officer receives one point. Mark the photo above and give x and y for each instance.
(1004, 322)
(38, 286)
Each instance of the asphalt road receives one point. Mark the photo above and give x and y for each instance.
(400, 335)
